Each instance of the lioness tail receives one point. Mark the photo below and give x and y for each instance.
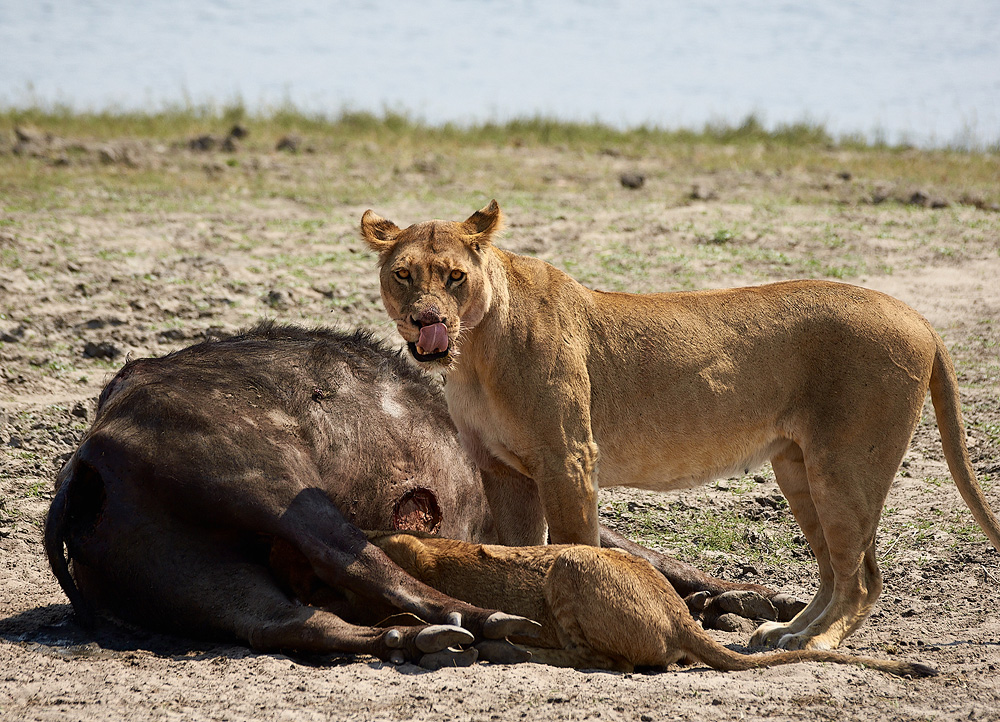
(722, 658)
(947, 409)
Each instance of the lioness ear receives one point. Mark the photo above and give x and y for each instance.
(378, 232)
(483, 224)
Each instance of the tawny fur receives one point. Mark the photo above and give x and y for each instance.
(599, 608)
(550, 380)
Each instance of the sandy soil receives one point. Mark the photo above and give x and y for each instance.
(94, 280)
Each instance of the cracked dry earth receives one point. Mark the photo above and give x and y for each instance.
(92, 287)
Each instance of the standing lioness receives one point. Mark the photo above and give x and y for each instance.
(667, 391)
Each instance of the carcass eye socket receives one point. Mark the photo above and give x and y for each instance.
(456, 276)
(402, 274)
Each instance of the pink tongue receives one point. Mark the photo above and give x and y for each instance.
(433, 339)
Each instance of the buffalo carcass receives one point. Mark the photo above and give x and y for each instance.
(214, 477)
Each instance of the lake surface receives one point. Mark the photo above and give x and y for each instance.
(924, 71)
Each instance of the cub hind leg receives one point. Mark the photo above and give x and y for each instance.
(584, 583)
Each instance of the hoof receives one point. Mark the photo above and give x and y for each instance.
(439, 637)
(732, 623)
(787, 606)
(499, 651)
(697, 602)
(450, 658)
(746, 604)
(500, 625)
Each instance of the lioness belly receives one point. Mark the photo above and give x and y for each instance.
(662, 468)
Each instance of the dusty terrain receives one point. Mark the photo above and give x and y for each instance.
(138, 247)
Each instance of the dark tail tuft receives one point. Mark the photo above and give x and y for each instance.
(921, 670)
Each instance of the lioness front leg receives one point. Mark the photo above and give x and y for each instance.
(553, 444)
(568, 488)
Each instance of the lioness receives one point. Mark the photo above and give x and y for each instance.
(546, 377)
(599, 608)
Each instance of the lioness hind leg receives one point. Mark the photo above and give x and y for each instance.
(790, 473)
(847, 499)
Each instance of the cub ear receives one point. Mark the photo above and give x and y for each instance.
(484, 224)
(377, 232)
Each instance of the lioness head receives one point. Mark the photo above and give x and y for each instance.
(434, 279)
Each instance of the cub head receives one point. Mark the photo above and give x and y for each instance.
(434, 278)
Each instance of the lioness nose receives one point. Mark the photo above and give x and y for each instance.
(428, 317)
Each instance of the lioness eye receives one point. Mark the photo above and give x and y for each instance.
(402, 274)
(456, 276)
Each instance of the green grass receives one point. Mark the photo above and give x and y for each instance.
(180, 122)
(366, 159)
(717, 532)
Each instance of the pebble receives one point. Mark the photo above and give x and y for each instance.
(632, 180)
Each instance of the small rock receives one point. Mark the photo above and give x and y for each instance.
(15, 441)
(203, 143)
(238, 131)
(632, 180)
(104, 349)
(277, 299)
(289, 144)
(79, 409)
(921, 198)
(27, 134)
(978, 201)
(215, 333)
(12, 336)
(881, 194)
(109, 154)
(213, 168)
(702, 192)
(172, 334)
(845, 175)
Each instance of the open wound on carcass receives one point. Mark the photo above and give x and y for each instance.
(417, 510)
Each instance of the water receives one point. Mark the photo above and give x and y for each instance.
(924, 71)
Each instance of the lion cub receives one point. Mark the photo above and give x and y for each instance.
(547, 380)
(599, 608)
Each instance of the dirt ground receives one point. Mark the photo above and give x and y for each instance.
(90, 278)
